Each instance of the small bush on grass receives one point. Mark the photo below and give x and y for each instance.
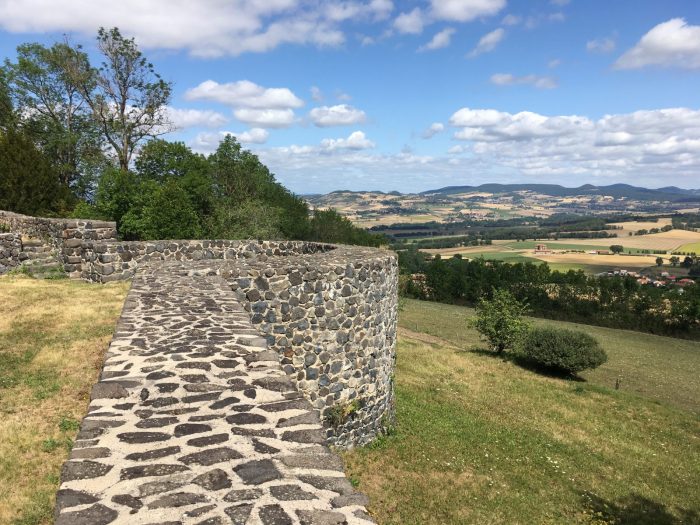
(500, 321)
(562, 350)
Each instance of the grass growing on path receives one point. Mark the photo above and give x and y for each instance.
(53, 335)
(481, 440)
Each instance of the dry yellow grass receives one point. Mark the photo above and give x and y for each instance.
(669, 240)
(623, 261)
(53, 335)
(634, 226)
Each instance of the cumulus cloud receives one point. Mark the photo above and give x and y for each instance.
(540, 82)
(433, 129)
(355, 141)
(511, 20)
(488, 42)
(244, 93)
(440, 40)
(316, 94)
(255, 105)
(207, 28)
(601, 45)
(411, 22)
(265, 118)
(208, 141)
(190, 118)
(340, 115)
(670, 44)
(650, 143)
(465, 10)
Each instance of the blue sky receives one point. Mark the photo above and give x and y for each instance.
(415, 95)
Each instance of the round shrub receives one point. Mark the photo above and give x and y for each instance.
(562, 350)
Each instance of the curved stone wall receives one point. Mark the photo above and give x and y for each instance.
(329, 311)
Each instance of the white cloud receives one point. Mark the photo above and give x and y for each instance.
(670, 44)
(316, 94)
(265, 118)
(465, 10)
(433, 129)
(559, 2)
(601, 45)
(511, 20)
(640, 146)
(411, 22)
(244, 94)
(488, 42)
(554, 63)
(342, 96)
(355, 141)
(209, 141)
(540, 82)
(440, 40)
(340, 115)
(206, 28)
(190, 118)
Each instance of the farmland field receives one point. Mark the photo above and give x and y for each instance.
(693, 247)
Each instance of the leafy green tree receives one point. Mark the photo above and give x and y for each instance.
(659, 261)
(7, 111)
(161, 161)
(45, 85)
(118, 193)
(617, 248)
(500, 320)
(567, 351)
(330, 226)
(127, 98)
(674, 260)
(28, 181)
(169, 214)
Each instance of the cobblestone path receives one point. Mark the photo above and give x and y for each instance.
(194, 422)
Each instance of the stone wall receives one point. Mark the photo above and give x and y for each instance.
(329, 311)
(10, 250)
(116, 261)
(66, 236)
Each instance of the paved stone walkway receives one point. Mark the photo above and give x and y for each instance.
(194, 421)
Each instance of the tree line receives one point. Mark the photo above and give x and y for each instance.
(84, 141)
(617, 302)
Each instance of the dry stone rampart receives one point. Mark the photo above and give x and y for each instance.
(193, 421)
(65, 236)
(329, 311)
(10, 251)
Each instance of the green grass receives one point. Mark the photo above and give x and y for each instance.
(660, 368)
(53, 334)
(509, 257)
(693, 247)
(481, 440)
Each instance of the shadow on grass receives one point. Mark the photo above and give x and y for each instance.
(638, 510)
(525, 363)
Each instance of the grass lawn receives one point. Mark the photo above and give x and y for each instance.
(53, 335)
(481, 440)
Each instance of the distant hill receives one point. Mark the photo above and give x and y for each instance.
(668, 193)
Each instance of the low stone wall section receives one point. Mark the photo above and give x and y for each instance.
(10, 250)
(117, 261)
(194, 422)
(328, 311)
(66, 236)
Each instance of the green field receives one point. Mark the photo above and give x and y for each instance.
(481, 440)
(693, 247)
(530, 245)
